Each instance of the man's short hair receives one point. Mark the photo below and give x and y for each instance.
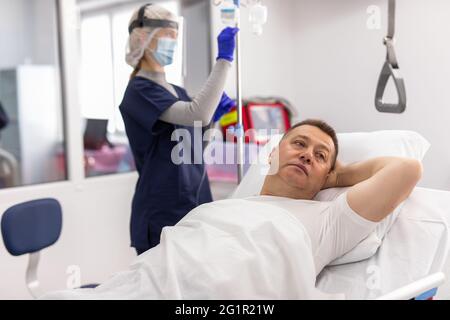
(325, 127)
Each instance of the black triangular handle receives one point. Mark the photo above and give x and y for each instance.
(387, 72)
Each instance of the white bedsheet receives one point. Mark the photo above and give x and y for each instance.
(231, 249)
(417, 245)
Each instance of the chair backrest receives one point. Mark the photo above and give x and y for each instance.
(31, 226)
(28, 228)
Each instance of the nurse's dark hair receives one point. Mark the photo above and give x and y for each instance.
(323, 126)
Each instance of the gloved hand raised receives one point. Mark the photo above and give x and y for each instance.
(227, 43)
(225, 105)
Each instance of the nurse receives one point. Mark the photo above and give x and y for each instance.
(152, 109)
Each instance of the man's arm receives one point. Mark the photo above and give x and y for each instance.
(378, 185)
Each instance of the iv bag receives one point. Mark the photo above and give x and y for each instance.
(258, 17)
(229, 13)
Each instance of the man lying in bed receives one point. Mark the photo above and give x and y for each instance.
(270, 246)
(305, 162)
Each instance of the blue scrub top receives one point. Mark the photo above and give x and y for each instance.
(165, 192)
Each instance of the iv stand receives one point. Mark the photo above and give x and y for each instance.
(240, 141)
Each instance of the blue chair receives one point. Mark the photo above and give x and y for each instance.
(29, 227)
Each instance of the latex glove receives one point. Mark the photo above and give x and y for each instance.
(225, 105)
(227, 43)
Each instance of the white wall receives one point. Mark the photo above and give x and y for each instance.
(27, 31)
(13, 27)
(338, 60)
(42, 31)
(196, 64)
(320, 55)
(37, 89)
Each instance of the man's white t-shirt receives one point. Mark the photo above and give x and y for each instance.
(334, 227)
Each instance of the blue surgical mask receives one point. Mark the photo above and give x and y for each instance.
(165, 51)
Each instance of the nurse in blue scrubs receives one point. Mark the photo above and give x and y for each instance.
(152, 109)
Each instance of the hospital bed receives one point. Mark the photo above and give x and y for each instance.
(416, 247)
(411, 258)
(409, 262)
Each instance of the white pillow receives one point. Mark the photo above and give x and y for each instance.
(353, 147)
(360, 146)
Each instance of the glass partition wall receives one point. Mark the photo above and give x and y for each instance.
(32, 139)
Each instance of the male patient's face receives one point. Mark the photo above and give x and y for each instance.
(305, 159)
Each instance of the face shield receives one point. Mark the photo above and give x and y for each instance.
(153, 21)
